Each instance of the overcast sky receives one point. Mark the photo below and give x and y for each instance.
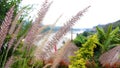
(100, 12)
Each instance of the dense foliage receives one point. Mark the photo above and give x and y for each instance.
(85, 53)
(102, 41)
(5, 5)
(79, 40)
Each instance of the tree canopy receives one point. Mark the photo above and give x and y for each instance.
(5, 5)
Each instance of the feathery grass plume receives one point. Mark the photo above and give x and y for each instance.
(10, 43)
(5, 26)
(63, 30)
(39, 52)
(9, 62)
(38, 32)
(47, 65)
(14, 23)
(49, 32)
(36, 25)
(60, 54)
(64, 53)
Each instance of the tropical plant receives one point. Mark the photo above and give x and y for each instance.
(106, 37)
(116, 38)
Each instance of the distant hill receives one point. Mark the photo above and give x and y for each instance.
(114, 24)
(93, 30)
(56, 28)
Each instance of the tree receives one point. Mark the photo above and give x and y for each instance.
(79, 40)
(5, 5)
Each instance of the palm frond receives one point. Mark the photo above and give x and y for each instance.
(109, 30)
(114, 31)
(101, 34)
(110, 37)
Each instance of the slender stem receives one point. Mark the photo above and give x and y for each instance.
(5, 58)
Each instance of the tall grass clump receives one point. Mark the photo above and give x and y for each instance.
(10, 37)
(3, 33)
(17, 38)
(39, 49)
(27, 45)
